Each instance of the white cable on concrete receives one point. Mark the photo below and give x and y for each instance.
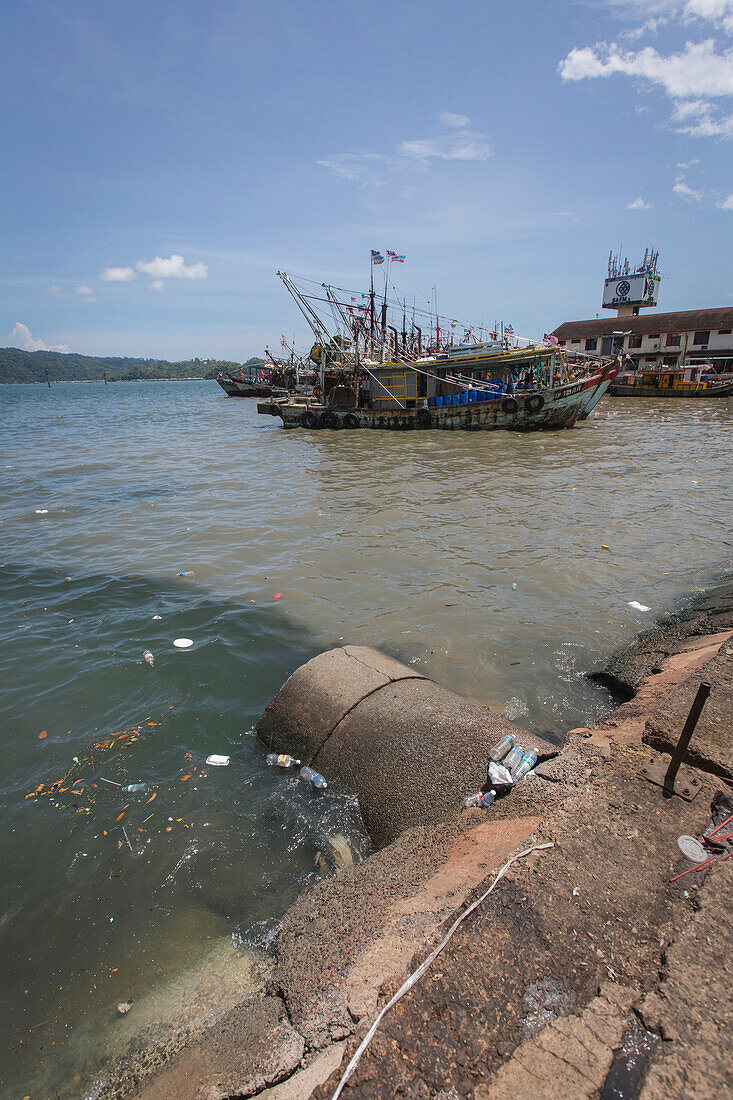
(415, 977)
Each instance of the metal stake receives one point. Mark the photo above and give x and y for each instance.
(685, 737)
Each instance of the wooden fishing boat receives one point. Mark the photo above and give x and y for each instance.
(695, 381)
(367, 377)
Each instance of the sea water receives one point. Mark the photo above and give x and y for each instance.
(137, 514)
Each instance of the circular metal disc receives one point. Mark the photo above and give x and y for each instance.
(691, 847)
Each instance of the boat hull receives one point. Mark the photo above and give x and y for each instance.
(724, 390)
(560, 408)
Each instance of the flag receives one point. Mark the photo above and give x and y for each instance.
(508, 330)
(377, 257)
(395, 258)
(550, 339)
(365, 296)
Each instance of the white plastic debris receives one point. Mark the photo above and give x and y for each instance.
(638, 606)
(499, 776)
(691, 847)
(217, 761)
(157, 616)
(183, 643)
(148, 657)
(124, 1007)
(41, 511)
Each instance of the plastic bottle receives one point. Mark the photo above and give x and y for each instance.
(500, 750)
(313, 777)
(148, 657)
(281, 759)
(481, 798)
(528, 761)
(514, 758)
(135, 788)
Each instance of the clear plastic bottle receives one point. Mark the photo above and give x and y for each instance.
(504, 746)
(313, 777)
(282, 760)
(513, 759)
(135, 788)
(481, 798)
(528, 761)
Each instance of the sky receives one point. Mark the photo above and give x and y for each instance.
(163, 161)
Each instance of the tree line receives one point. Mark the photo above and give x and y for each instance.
(17, 365)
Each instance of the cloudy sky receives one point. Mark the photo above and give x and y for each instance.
(162, 161)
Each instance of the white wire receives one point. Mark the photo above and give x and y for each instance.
(415, 977)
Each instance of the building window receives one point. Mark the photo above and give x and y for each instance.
(635, 341)
(724, 331)
(653, 335)
(673, 339)
(650, 358)
(701, 337)
(591, 343)
(575, 341)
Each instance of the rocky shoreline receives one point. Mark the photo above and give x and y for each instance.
(583, 947)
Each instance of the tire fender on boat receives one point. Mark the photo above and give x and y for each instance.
(309, 419)
(423, 418)
(328, 420)
(536, 402)
(351, 420)
(510, 405)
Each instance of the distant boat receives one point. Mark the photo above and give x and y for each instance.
(696, 381)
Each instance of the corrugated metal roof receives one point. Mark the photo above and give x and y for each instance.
(688, 320)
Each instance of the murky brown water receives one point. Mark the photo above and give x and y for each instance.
(481, 558)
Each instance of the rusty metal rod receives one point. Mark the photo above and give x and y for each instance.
(685, 737)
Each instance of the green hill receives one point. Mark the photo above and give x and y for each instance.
(34, 366)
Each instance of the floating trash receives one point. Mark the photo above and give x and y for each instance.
(187, 573)
(41, 511)
(148, 657)
(217, 761)
(638, 606)
(157, 617)
(278, 596)
(183, 643)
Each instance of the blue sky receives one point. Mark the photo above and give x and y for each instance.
(163, 160)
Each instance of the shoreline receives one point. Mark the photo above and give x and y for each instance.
(347, 942)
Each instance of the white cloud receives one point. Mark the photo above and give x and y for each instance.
(28, 342)
(118, 275)
(727, 204)
(696, 118)
(686, 192)
(172, 268)
(157, 284)
(638, 204)
(461, 145)
(366, 169)
(456, 143)
(696, 71)
(56, 292)
(87, 293)
(717, 12)
(447, 118)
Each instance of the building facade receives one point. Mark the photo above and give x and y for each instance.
(658, 339)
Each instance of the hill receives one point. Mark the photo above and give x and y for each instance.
(17, 365)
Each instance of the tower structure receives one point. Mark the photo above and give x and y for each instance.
(628, 290)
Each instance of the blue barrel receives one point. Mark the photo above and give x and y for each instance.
(455, 399)
(463, 397)
(472, 396)
(439, 401)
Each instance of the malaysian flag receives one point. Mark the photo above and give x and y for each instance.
(377, 257)
(395, 258)
(508, 330)
(550, 339)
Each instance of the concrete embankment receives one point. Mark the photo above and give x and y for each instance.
(580, 949)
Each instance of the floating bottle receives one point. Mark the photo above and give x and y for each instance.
(513, 758)
(313, 777)
(135, 788)
(528, 761)
(500, 750)
(282, 760)
(148, 657)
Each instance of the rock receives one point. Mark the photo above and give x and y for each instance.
(711, 747)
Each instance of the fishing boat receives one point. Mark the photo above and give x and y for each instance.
(371, 376)
(697, 381)
(238, 384)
